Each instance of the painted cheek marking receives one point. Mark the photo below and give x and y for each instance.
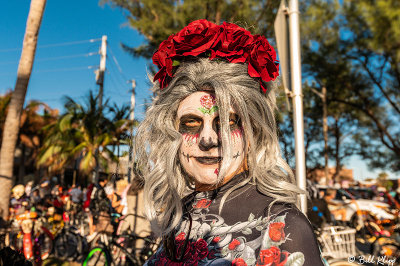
(237, 133)
(186, 155)
(190, 138)
(216, 171)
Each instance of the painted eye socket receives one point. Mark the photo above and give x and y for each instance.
(192, 123)
(232, 122)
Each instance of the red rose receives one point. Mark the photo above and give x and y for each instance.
(262, 60)
(227, 41)
(196, 38)
(233, 244)
(216, 239)
(202, 204)
(188, 253)
(232, 43)
(163, 59)
(180, 237)
(201, 248)
(207, 101)
(239, 262)
(269, 257)
(283, 259)
(276, 232)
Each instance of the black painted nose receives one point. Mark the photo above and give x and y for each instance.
(206, 145)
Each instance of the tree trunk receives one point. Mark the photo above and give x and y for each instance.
(21, 169)
(325, 131)
(338, 168)
(11, 126)
(217, 12)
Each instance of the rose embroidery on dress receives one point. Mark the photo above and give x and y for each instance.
(272, 257)
(217, 242)
(239, 262)
(202, 204)
(194, 252)
(276, 232)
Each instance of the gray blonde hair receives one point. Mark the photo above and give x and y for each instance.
(158, 140)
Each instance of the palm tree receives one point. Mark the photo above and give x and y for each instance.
(79, 133)
(11, 127)
(4, 103)
(34, 116)
(120, 125)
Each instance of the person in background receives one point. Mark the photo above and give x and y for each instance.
(100, 206)
(76, 194)
(317, 208)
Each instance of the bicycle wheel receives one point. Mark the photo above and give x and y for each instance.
(45, 242)
(67, 245)
(97, 256)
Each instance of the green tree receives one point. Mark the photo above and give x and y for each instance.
(79, 133)
(345, 49)
(11, 127)
(156, 20)
(34, 116)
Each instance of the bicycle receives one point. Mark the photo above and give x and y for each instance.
(120, 248)
(70, 245)
(338, 244)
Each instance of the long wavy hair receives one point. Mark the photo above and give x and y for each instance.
(158, 141)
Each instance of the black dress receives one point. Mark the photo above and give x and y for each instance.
(243, 233)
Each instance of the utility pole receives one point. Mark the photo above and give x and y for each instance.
(100, 81)
(132, 118)
(102, 69)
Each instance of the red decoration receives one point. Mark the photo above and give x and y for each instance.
(195, 252)
(239, 262)
(216, 239)
(272, 257)
(233, 244)
(207, 101)
(276, 232)
(180, 237)
(227, 41)
(202, 204)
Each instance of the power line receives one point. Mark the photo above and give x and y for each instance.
(53, 45)
(54, 58)
(118, 65)
(52, 70)
(65, 69)
(116, 86)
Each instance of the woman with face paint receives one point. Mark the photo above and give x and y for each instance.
(215, 185)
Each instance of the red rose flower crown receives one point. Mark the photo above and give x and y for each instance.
(227, 41)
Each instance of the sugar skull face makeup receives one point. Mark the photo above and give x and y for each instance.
(201, 151)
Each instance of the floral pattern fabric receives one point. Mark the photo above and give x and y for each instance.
(230, 238)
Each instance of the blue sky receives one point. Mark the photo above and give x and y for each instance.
(66, 59)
